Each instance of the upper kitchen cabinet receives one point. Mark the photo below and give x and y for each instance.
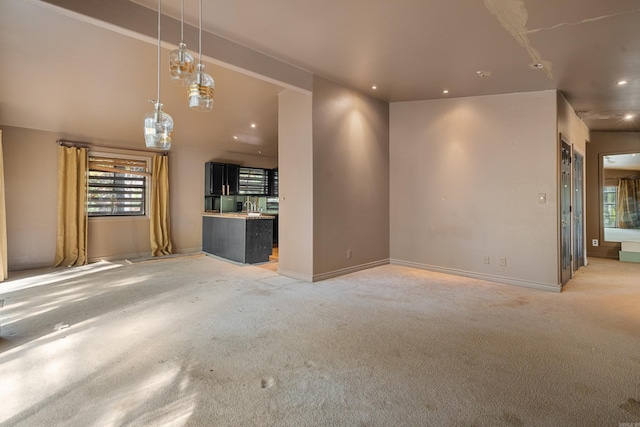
(221, 179)
(273, 182)
(253, 181)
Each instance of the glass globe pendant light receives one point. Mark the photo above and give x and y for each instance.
(201, 86)
(158, 128)
(181, 62)
(158, 125)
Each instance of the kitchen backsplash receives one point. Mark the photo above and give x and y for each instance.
(237, 203)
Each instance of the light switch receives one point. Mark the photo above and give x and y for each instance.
(542, 198)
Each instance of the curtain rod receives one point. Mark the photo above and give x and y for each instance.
(81, 144)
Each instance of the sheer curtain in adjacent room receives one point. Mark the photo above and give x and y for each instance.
(629, 203)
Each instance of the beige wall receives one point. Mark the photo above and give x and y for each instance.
(612, 177)
(466, 175)
(603, 143)
(31, 189)
(31, 194)
(350, 180)
(295, 180)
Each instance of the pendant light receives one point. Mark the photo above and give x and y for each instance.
(158, 125)
(181, 62)
(201, 88)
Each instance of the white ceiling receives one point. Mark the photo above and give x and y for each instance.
(622, 161)
(89, 83)
(410, 49)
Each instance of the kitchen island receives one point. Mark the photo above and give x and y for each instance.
(239, 237)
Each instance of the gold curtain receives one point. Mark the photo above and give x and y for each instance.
(628, 203)
(71, 244)
(4, 267)
(160, 221)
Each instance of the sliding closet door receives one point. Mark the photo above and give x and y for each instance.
(565, 212)
(578, 212)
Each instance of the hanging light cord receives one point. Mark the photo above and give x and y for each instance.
(182, 21)
(200, 36)
(159, 1)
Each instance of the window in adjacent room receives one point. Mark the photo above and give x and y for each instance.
(117, 185)
(609, 206)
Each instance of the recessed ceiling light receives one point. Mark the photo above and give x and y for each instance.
(621, 82)
(259, 152)
(374, 87)
(253, 125)
(445, 91)
(482, 73)
(628, 116)
(235, 137)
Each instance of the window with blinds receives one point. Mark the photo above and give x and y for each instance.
(253, 181)
(117, 186)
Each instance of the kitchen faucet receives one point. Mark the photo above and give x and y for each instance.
(252, 206)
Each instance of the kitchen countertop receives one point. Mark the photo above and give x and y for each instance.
(237, 215)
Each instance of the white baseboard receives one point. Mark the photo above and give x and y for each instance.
(294, 275)
(334, 273)
(116, 257)
(188, 250)
(348, 270)
(18, 267)
(481, 276)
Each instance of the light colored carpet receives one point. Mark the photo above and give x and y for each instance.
(202, 342)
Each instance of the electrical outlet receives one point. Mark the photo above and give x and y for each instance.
(594, 242)
(486, 260)
(348, 253)
(503, 262)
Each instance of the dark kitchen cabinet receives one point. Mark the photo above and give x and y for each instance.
(245, 240)
(220, 179)
(273, 182)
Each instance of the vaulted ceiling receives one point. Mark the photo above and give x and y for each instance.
(73, 66)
